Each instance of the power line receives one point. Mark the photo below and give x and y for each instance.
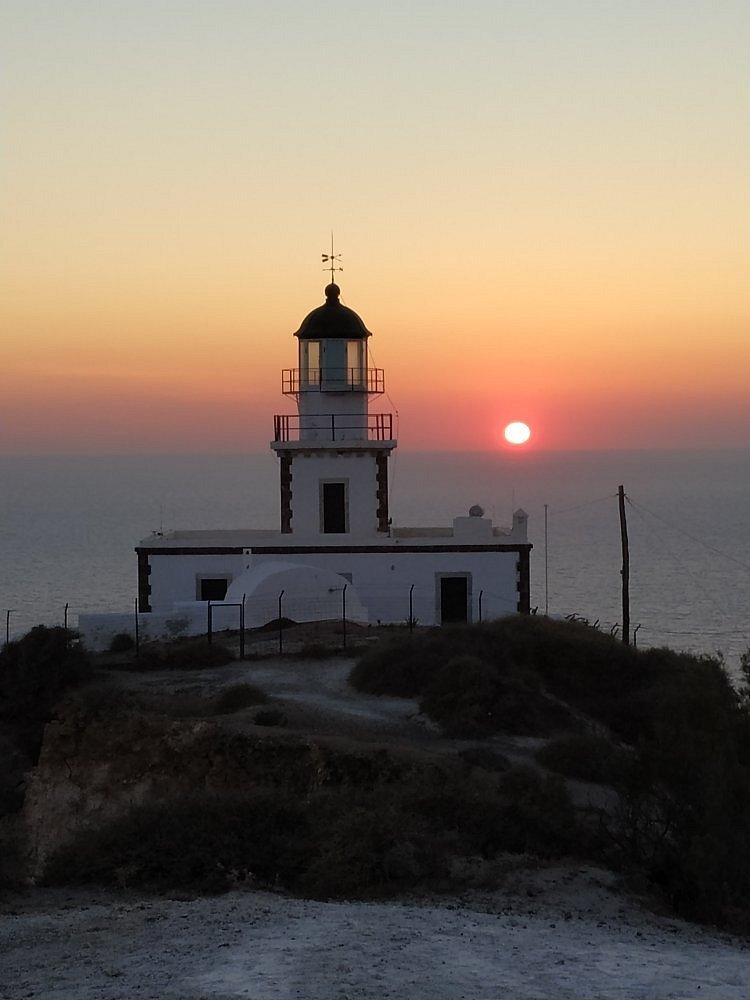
(687, 534)
(587, 503)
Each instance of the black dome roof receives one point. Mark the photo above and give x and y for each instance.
(332, 321)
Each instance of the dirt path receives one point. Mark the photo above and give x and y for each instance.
(314, 695)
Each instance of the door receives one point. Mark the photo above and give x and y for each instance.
(333, 502)
(454, 599)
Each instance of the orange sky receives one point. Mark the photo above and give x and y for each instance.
(543, 210)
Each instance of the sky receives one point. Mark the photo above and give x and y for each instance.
(542, 207)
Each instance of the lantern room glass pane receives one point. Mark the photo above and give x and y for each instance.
(334, 365)
(355, 362)
(310, 362)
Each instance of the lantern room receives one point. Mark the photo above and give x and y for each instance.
(332, 352)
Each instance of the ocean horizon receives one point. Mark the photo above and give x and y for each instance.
(69, 525)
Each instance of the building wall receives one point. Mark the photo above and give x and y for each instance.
(176, 577)
(344, 404)
(358, 471)
(383, 579)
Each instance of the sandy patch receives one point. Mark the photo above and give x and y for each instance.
(558, 933)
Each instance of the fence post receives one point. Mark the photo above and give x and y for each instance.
(281, 630)
(242, 628)
(411, 608)
(343, 612)
(137, 632)
(210, 624)
(481, 592)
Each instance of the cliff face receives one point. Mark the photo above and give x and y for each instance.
(93, 766)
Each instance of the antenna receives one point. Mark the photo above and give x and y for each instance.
(331, 260)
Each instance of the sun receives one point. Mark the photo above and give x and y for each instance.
(517, 433)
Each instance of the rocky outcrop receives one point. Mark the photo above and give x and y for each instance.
(94, 765)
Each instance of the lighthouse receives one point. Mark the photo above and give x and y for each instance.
(333, 452)
(337, 550)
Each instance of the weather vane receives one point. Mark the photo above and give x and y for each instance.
(331, 261)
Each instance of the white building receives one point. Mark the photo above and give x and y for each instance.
(335, 551)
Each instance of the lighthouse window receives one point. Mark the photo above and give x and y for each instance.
(355, 362)
(333, 508)
(212, 588)
(334, 364)
(310, 362)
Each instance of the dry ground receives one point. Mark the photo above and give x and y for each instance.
(554, 933)
(547, 933)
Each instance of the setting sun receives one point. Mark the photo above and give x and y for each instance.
(517, 433)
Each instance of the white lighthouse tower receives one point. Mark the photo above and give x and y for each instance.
(333, 452)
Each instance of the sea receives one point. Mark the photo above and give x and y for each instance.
(69, 525)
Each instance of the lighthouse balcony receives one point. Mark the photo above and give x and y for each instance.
(333, 427)
(297, 380)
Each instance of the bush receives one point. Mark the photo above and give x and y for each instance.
(485, 758)
(466, 679)
(123, 642)
(675, 742)
(36, 670)
(585, 756)
(685, 804)
(404, 665)
(462, 696)
(275, 625)
(332, 842)
(537, 816)
(667, 730)
(206, 843)
(185, 654)
(270, 717)
(237, 697)
(316, 651)
(369, 845)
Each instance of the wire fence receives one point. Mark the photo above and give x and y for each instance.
(267, 617)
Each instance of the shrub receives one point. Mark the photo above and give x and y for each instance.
(332, 842)
(237, 697)
(37, 669)
(485, 758)
(270, 717)
(462, 696)
(537, 816)
(466, 679)
(585, 756)
(275, 624)
(369, 845)
(404, 665)
(539, 674)
(13, 858)
(678, 756)
(204, 843)
(316, 651)
(184, 654)
(123, 642)
(685, 807)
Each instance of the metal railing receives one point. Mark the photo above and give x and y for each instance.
(296, 380)
(333, 427)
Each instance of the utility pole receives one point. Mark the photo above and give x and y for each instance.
(625, 571)
(546, 566)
